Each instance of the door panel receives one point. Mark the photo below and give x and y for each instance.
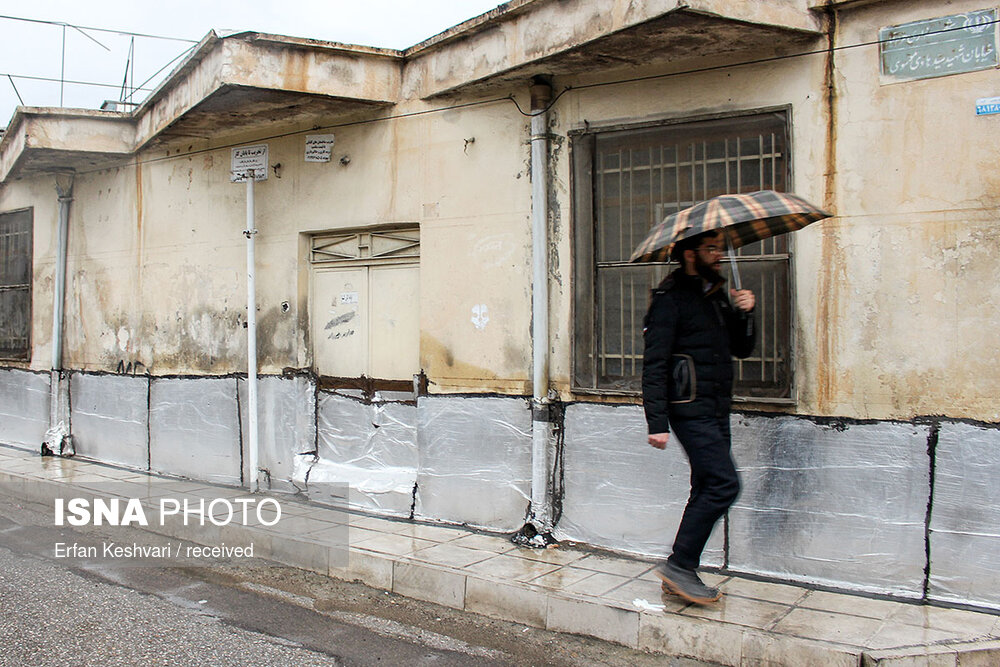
(395, 321)
(340, 321)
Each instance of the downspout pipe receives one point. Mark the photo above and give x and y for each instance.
(540, 517)
(57, 437)
(252, 426)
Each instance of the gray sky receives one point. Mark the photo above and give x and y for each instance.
(36, 50)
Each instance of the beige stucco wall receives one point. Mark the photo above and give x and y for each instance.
(894, 298)
(40, 195)
(899, 320)
(793, 83)
(157, 257)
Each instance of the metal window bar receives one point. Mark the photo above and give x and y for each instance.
(15, 288)
(359, 247)
(768, 157)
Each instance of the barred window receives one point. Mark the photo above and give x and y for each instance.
(625, 181)
(15, 284)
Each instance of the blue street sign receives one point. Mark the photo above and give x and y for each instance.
(987, 106)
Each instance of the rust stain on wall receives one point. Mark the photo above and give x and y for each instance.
(276, 337)
(295, 74)
(827, 292)
(438, 360)
(140, 237)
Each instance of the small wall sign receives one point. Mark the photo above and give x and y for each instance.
(987, 106)
(246, 159)
(319, 147)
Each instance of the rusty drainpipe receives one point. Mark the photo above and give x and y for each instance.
(541, 428)
(57, 438)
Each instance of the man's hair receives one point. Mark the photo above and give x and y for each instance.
(690, 243)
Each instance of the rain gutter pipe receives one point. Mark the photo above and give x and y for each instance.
(57, 437)
(540, 517)
(252, 429)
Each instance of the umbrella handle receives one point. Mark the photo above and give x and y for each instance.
(737, 283)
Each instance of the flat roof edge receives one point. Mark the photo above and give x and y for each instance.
(471, 26)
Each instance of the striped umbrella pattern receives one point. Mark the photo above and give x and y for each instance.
(743, 218)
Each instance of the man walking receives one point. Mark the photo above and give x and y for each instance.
(692, 331)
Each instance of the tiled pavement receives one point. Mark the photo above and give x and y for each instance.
(563, 589)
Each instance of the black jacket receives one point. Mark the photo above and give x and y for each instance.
(691, 337)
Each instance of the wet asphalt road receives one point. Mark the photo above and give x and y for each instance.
(69, 612)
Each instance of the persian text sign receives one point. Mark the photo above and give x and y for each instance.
(936, 47)
(319, 147)
(246, 159)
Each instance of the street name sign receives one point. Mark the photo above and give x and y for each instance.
(941, 46)
(247, 158)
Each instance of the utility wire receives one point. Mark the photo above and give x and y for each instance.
(758, 61)
(81, 31)
(552, 102)
(128, 61)
(152, 76)
(16, 92)
(77, 83)
(140, 87)
(317, 128)
(510, 98)
(110, 30)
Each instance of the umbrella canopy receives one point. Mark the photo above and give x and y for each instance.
(743, 218)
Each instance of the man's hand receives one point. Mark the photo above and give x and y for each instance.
(743, 299)
(659, 440)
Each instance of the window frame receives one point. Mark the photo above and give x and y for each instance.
(26, 355)
(584, 305)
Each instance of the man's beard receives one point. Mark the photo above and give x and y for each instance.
(707, 271)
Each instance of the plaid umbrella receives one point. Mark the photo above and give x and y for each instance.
(744, 219)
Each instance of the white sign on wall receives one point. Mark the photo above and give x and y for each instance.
(246, 159)
(319, 147)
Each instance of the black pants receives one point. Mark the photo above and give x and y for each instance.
(714, 484)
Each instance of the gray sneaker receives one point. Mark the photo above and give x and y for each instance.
(686, 584)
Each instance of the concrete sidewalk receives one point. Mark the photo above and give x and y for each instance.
(563, 589)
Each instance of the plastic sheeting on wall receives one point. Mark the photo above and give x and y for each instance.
(620, 492)
(372, 448)
(286, 426)
(840, 505)
(194, 429)
(24, 408)
(965, 518)
(110, 417)
(475, 461)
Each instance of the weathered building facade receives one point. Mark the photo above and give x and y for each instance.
(398, 346)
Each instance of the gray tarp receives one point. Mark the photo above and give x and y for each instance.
(110, 418)
(842, 505)
(965, 519)
(475, 461)
(24, 408)
(622, 493)
(194, 429)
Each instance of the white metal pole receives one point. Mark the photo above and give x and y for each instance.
(55, 437)
(59, 288)
(251, 339)
(541, 426)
